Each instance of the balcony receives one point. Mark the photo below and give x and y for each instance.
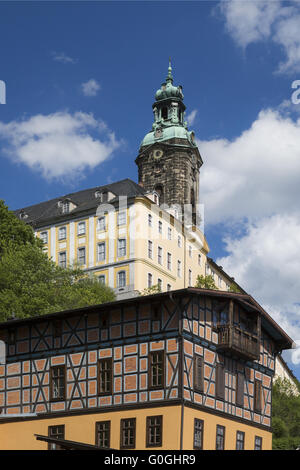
(239, 342)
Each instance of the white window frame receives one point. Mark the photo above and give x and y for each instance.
(101, 224)
(150, 219)
(103, 257)
(169, 233)
(160, 228)
(121, 218)
(169, 261)
(44, 237)
(179, 268)
(150, 249)
(62, 263)
(81, 228)
(102, 279)
(121, 279)
(160, 255)
(81, 249)
(121, 247)
(149, 280)
(64, 231)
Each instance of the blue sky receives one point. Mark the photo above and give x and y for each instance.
(81, 78)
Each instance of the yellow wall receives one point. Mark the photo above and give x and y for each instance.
(81, 428)
(231, 427)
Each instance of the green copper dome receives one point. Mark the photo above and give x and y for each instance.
(168, 90)
(169, 111)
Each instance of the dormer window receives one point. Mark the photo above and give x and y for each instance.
(23, 215)
(65, 207)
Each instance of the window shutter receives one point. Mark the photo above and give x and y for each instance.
(257, 395)
(220, 381)
(198, 373)
(240, 389)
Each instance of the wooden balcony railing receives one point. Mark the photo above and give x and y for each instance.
(233, 339)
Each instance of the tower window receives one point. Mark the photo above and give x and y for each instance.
(164, 113)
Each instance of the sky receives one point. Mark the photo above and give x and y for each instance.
(80, 81)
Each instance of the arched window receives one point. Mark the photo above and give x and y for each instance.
(164, 113)
(160, 192)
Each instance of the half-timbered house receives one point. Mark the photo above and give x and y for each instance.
(187, 369)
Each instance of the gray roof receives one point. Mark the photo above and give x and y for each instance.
(46, 212)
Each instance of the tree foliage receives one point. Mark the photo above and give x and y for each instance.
(205, 282)
(31, 284)
(285, 416)
(156, 289)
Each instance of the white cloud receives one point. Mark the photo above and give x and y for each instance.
(255, 175)
(266, 262)
(191, 117)
(59, 145)
(260, 20)
(63, 58)
(90, 88)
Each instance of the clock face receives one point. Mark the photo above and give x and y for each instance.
(157, 154)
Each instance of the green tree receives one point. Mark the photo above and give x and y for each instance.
(205, 282)
(156, 289)
(31, 284)
(285, 416)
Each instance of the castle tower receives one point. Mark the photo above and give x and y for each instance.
(169, 160)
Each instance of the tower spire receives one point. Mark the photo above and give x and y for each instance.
(169, 77)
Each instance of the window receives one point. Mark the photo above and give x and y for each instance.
(198, 433)
(62, 233)
(101, 279)
(258, 443)
(156, 369)
(198, 373)
(128, 427)
(62, 259)
(199, 260)
(150, 251)
(105, 376)
(219, 281)
(164, 113)
(220, 381)
(159, 255)
(179, 268)
(220, 437)
(103, 434)
(240, 389)
(168, 287)
(154, 431)
(81, 228)
(121, 279)
(257, 396)
(122, 218)
(81, 256)
(65, 207)
(57, 383)
(101, 224)
(121, 247)
(56, 432)
(44, 237)
(190, 277)
(240, 439)
(169, 233)
(159, 226)
(101, 251)
(149, 280)
(179, 241)
(207, 269)
(169, 261)
(190, 251)
(149, 220)
(159, 283)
